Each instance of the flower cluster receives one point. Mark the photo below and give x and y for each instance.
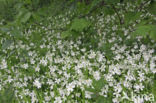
(48, 69)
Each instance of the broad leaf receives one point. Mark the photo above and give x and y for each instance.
(131, 17)
(66, 34)
(80, 24)
(16, 33)
(99, 84)
(7, 44)
(4, 29)
(69, 33)
(26, 17)
(146, 30)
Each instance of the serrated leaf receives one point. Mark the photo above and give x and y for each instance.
(66, 34)
(99, 84)
(69, 33)
(79, 24)
(6, 44)
(131, 17)
(146, 30)
(142, 30)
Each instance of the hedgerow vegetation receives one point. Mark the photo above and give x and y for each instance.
(77, 51)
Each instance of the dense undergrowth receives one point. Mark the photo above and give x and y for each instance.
(77, 51)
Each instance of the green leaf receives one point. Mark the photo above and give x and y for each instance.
(26, 17)
(69, 33)
(152, 8)
(66, 34)
(99, 84)
(154, 86)
(4, 29)
(6, 44)
(90, 89)
(79, 24)
(102, 99)
(112, 1)
(16, 33)
(131, 17)
(153, 32)
(108, 11)
(146, 30)
(36, 17)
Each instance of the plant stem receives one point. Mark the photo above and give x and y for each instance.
(120, 20)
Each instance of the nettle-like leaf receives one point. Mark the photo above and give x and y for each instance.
(7, 44)
(66, 34)
(79, 24)
(99, 84)
(145, 30)
(23, 16)
(69, 33)
(131, 17)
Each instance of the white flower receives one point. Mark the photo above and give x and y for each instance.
(33, 97)
(88, 94)
(125, 96)
(37, 69)
(25, 66)
(138, 99)
(58, 100)
(3, 64)
(96, 75)
(37, 83)
(153, 67)
(32, 61)
(92, 55)
(47, 98)
(115, 100)
(70, 87)
(118, 88)
(88, 82)
(138, 87)
(52, 94)
(44, 62)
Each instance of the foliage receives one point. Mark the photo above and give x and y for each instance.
(79, 25)
(146, 30)
(83, 46)
(7, 95)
